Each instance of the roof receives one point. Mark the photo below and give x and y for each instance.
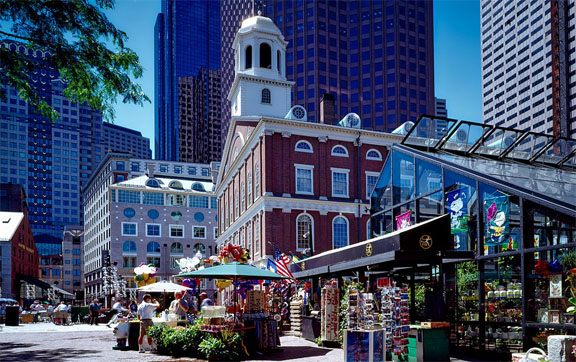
(259, 23)
(165, 182)
(122, 129)
(9, 222)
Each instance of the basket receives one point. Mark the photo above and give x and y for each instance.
(532, 355)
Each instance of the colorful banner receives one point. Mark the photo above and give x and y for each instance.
(457, 205)
(496, 219)
(403, 220)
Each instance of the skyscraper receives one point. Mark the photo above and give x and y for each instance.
(375, 57)
(187, 43)
(528, 76)
(122, 139)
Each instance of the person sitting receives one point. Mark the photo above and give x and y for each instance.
(179, 306)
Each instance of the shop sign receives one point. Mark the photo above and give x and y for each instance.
(425, 241)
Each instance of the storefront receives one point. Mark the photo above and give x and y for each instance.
(502, 272)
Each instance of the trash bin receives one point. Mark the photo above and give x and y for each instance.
(431, 344)
(133, 335)
(12, 315)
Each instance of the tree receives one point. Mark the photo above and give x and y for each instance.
(86, 49)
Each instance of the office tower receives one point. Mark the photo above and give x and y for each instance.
(440, 107)
(375, 57)
(122, 139)
(187, 43)
(528, 76)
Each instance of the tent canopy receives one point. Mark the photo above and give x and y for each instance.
(162, 286)
(233, 271)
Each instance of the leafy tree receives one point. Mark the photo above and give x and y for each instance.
(86, 49)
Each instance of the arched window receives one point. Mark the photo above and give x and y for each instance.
(153, 248)
(279, 60)
(304, 232)
(176, 248)
(373, 155)
(266, 98)
(176, 185)
(248, 57)
(339, 151)
(265, 56)
(152, 183)
(199, 247)
(339, 232)
(196, 186)
(303, 146)
(129, 247)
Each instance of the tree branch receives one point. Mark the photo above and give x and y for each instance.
(16, 36)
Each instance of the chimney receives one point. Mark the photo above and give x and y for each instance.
(327, 105)
(150, 170)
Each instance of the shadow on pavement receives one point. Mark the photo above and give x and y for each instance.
(293, 352)
(17, 352)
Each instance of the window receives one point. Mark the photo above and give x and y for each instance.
(265, 56)
(256, 181)
(192, 171)
(177, 169)
(176, 184)
(176, 248)
(304, 232)
(236, 205)
(303, 146)
(163, 168)
(242, 197)
(339, 232)
(152, 183)
(153, 198)
(129, 262)
(129, 247)
(131, 197)
(248, 57)
(153, 260)
(175, 200)
(373, 155)
(129, 212)
(174, 262)
(153, 230)
(135, 166)
(129, 228)
(197, 186)
(304, 179)
(153, 248)
(249, 188)
(119, 165)
(257, 235)
(198, 216)
(199, 248)
(176, 231)
(339, 151)
(371, 180)
(199, 232)
(176, 215)
(340, 182)
(266, 98)
(279, 60)
(199, 202)
(153, 214)
(249, 245)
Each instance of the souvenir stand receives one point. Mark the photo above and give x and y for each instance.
(256, 315)
(396, 319)
(330, 319)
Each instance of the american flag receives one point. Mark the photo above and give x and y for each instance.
(282, 262)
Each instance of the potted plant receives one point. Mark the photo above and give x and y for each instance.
(568, 260)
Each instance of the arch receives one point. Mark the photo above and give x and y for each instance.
(303, 146)
(129, 246)
(152, 182)
(339, 232)
(340, 151)
(304, 232)
(373, 154)
(197, 186)
(266, 96)
(248, 57)
(199, 247)
(265, 56)
(153, 247)
(176, 248)
(177, 185)
(279, 60)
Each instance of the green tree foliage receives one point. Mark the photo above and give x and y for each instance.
(86, 49)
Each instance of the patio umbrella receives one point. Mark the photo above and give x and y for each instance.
(163, 286)
(8, 300)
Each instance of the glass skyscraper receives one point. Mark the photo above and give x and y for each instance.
(187, 44)
(375, 57)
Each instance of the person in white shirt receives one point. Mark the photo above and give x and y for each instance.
(119, 309)
(146, 311)
(59, 317)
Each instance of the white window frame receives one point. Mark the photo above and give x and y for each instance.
(311, 231)
(154, 236)
(347, 173)
(347, 231)
(249, 189)
(199, 226)
(176, 226)
(311, 150)
(298, 166)
(215, 232)
(257, 191)
(339, 154)
(172, 197)
(257, 245)
(374, 158)
(130, 223)
(249, 245)
(370, 173)
(242, 197)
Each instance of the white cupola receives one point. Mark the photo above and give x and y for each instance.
(260, 87)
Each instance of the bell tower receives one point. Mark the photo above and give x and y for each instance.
(260, 87)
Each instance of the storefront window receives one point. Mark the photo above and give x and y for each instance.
(403, 177)
(503, 288)
(501, 220)
(461, 200)
(549, 230)
(428, 177)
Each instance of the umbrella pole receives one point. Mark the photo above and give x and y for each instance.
(235, 298)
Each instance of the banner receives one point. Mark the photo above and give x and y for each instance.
(457, 205)
(403, 220)
(496, 215)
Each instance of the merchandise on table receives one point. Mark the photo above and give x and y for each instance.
(396, 319)
(330, 318)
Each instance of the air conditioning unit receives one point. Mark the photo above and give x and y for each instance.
(297, 113)
(404, 128)
(351, 120)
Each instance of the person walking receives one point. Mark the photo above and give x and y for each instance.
(146, 311)
(205, 301)
(94, 311)
(117, 308)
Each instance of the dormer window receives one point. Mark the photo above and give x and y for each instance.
(152, 183)
(248, 57)
(177, 185)
(198, 187)
(265, 56)
(266, 98)
(339, 151)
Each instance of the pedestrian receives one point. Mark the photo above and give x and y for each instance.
(117, 308)
(205, 301)
(133, 307)
(179, 306)
(94, 311)
(146, 311)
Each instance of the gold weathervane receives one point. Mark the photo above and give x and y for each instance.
(425, 242)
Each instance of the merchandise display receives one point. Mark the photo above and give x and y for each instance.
(396, 319)
(330, 319)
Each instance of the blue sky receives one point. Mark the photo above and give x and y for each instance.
(456, 53)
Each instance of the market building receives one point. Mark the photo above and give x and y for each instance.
(480, 222)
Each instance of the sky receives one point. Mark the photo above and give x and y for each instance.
(456, 58)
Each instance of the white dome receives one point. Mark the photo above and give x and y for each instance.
(261, 23)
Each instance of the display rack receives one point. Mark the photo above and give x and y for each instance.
(330, 319)
(396, 319)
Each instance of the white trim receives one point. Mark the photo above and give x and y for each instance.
(154, 236)
(347, 229)
(129, 253)
(370, 173)
(154, 254)
(130, 223)
(311, 150)
(339, 154)
(374, 158)
(310, 168)
(170, 231)
(311, 231)
(199, 226)
(347, 173)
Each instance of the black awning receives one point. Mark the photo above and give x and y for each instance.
(421, 243)
(32, 280)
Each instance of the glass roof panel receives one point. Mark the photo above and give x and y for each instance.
(529, 146)
(465, 136)
(498, 141)
(427, 132)
(561, 148)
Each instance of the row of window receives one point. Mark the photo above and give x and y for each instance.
(338, 150)
(153, 253)
(154, 214)
(305, 232)
(340, 181)
(155, 230)
(163, 199)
